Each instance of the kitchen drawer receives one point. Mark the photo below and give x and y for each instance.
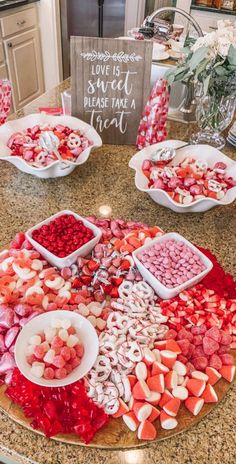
(2, 57)
(18, 22)
(3, 72)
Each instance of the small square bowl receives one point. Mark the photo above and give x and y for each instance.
(87, 335)
(164, 292)
(70, 259)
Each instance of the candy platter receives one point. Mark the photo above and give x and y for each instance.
(106, 277)
(115, 435)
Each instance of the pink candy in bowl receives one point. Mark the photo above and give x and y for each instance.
(20, 144)
(46, 324)
(170, 264)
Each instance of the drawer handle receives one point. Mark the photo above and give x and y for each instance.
(20, 23)
(9, 44)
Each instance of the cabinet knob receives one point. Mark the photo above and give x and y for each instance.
(20, 23)
(9, 45)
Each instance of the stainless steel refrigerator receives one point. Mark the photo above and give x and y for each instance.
(91, 18)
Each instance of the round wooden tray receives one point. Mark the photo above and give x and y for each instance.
(116, 435)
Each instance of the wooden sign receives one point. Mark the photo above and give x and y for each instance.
(110, 85)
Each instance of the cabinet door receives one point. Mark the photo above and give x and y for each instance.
(24, 61)
(3, 72)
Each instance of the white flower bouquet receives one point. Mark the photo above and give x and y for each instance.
(211, 60)
(210, 63)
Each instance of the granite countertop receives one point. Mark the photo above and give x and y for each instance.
(9, 4)
(106, 180)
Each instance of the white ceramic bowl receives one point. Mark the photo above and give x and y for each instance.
(210, 154)
(87, 335)
(164, 292)
(70, 259)
(55, 169)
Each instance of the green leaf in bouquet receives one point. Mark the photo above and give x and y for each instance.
(173, 74)
(201, 67)
(206, 84)
(232, 55)
(231, 68)
(186, 51)
(221, 71)
(198, 56)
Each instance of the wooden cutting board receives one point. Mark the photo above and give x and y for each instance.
(116, 435)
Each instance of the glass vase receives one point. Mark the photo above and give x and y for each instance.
(213, 116)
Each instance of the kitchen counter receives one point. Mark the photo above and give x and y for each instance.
(211, 9)
(8, 4)
(106, 180)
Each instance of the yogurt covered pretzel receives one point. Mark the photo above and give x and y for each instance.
(133, 326)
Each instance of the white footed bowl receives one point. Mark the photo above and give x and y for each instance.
(206, 152)
(55, 169)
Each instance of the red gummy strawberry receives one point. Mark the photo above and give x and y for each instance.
(185, 334)
(227, 359)
(213, 333)
(198, 352)
(184, 346)
(197, 340)
(191, 350)
(225, 338)
(200, 363)
(215, 362)
(171, 334)
(182, 358)
(199, 330)
(223, 349)
(210, 346)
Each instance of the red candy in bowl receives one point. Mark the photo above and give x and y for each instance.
(63, 237)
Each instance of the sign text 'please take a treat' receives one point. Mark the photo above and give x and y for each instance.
(110, 85)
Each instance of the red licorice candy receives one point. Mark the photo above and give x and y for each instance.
(63, 235)
(57, 410)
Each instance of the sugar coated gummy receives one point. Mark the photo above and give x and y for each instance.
(59, 355)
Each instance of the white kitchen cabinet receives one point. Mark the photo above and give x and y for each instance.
(25, 67)
(20, 54)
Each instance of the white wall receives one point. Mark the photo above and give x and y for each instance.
(48, 11)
